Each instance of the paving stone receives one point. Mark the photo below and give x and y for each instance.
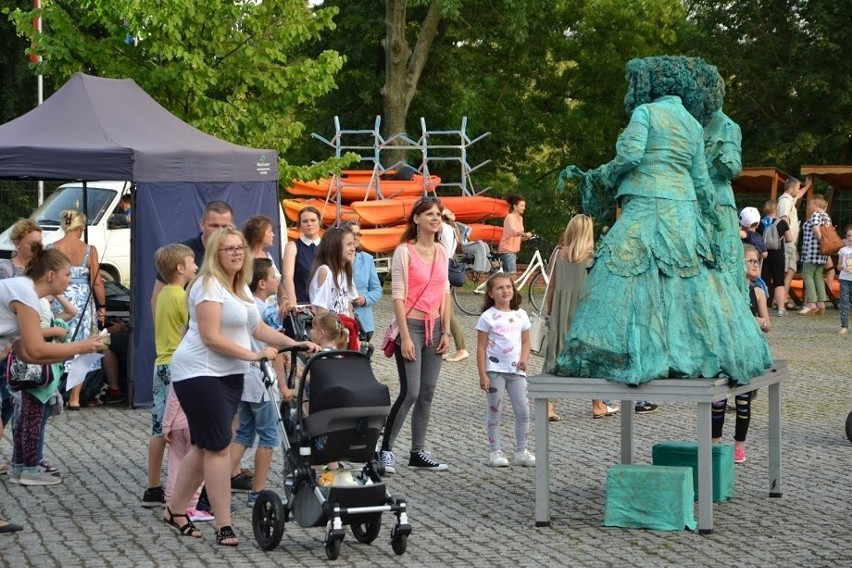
(474, 515)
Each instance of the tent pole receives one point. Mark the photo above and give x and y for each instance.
(86, 211)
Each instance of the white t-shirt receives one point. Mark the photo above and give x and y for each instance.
(504, 339)
(845, 263)
(253, 388)
(333, 298)
(238, 320)
(21, 289)
(448, 238)
(787, 207)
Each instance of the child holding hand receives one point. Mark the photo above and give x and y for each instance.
(502, 352)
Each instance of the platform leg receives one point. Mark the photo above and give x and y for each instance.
(542, 464)
(626, 431)
(775, 440)
(705, 470)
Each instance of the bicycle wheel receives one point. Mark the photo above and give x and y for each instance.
(537, 289)
(466, 298)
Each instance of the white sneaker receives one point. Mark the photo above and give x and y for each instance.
(39, 478)
(388, 461)
(525, 459)
(497, 459)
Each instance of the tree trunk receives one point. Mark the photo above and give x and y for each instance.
(403, 65)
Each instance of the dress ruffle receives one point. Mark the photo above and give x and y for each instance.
(654, 306)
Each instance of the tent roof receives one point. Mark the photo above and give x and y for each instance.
(94, 128)
(760, 180)
(839, 177)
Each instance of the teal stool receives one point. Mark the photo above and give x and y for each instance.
(649, 497)
(680, 453)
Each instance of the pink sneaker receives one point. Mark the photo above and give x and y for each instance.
(197, 516)
(739, 454)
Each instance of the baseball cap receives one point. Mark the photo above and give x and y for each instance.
(749, 216)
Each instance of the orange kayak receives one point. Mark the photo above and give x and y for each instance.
(467, 209)
(385, 239)
(491, 234)
(328, 210)
(380, 240)
(359, 187)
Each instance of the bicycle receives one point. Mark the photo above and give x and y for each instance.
(470, 297)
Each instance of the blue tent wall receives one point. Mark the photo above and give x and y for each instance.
(166, 213)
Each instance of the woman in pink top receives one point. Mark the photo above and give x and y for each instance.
(421, 306)
(513, 233)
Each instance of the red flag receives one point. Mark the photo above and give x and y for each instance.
(35, 58)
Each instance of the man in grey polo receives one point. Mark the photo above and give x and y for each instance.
(787, 207)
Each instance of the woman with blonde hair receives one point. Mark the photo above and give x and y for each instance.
(86, 291)
(568, 267)
(814, 262)
(207, 375)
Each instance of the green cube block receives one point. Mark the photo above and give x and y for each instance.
(680, 453)
(649, 497)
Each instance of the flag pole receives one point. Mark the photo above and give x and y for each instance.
(40, 86)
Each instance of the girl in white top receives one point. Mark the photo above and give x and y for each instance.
(331, 286)
(502, 352)
(207, 375)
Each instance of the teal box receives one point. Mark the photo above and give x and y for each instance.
(680, 453)
(649, 497)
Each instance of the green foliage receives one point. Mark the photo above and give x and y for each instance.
(788, 74)
(233, 69)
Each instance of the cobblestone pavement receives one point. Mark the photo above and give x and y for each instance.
(473, 515)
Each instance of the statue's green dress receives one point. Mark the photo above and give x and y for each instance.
(656, 304)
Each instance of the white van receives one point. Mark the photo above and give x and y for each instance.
(109, 236)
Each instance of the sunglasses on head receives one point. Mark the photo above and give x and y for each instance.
(428, 199)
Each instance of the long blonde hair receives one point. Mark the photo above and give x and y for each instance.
(578, 239)
(211, 268)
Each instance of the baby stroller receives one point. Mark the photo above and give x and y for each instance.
(341, 419)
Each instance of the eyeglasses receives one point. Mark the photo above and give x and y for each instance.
(753, 261)
(233, 251)
(357, 235)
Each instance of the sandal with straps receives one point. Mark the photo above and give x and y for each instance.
(226, 533)
(186, 530)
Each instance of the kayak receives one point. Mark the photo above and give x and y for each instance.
(364, 187)
(470, 209)
(385, 239)
(328, 210)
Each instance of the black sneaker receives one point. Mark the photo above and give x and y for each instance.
(113, 397)
(241, 483)
(423, 460)
(645, 407)
(153, 497)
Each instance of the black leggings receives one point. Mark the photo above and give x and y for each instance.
(717, 418)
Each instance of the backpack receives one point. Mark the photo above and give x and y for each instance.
(771, 238)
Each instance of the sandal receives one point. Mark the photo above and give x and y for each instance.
(554, 418)
(226, 533)
(186, 530)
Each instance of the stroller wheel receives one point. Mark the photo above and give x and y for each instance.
(332, 547)
(367, 531)
(399, 542)
(267, 520)
(849, 427)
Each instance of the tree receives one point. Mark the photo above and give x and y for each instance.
(232, 69)
(788, 75)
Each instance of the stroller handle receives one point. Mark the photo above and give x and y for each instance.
(294, 348)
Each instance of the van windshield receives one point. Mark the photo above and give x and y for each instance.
(98, 202)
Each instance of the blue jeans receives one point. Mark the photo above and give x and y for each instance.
(257, 419)
(509, 260)
(845, 301)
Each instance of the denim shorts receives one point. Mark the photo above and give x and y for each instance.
(257, 419)
(162, 378)
(509, 260)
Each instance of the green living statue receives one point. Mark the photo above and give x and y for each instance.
(658, 302)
